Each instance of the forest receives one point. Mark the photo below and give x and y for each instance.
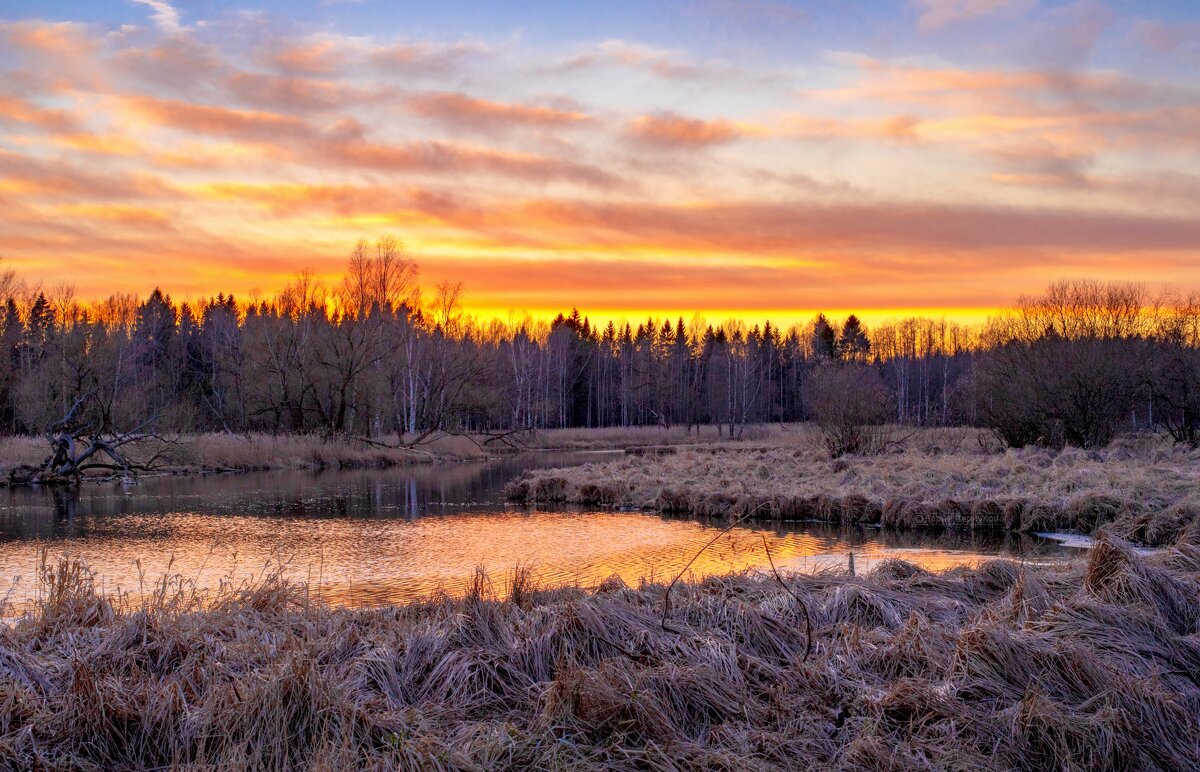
(375, 354)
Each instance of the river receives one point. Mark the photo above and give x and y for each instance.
(386, 536)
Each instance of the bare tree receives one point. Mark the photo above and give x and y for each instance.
(1066, 367)
(1175, 375)
(1076, 364)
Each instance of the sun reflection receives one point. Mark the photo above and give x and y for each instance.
(355, 561)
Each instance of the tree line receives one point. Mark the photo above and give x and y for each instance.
(377, 355)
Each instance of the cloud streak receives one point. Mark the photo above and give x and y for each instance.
(671, 130)
(234, 150)
(458, 109)
(164, 15)
(936, 14)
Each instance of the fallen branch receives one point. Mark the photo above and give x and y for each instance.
(667, 595)
(389, 446)
(76, 448)
(808, 639)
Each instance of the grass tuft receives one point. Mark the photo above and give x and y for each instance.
(1006, 666)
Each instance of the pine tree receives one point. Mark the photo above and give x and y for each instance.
(853, 344)
(824, 338)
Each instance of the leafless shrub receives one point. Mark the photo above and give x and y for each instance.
(849, 402)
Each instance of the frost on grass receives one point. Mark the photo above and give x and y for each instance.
(1001, 667)
(1150, 493)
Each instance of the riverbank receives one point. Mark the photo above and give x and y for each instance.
(1001, 667)
(1147, 490)
(228, 453)
(621, 437)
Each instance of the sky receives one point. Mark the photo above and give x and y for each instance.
(757, 158)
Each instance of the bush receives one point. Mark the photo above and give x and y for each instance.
(849, 402)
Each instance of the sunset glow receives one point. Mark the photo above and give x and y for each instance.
(760, 159)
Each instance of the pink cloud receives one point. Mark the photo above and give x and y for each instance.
(670, 130)
(461, 110)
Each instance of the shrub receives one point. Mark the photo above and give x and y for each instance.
(849, 402)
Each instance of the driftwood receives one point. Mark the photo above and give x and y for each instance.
(509, 438)
(76, 448)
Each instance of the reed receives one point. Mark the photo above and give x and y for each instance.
(1005, 666)
(610, 437)
(302, 451)
(658, 439)
(15, 451)
(1148, 491)
(202, 453)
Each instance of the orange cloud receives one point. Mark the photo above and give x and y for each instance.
(14, 110)
(100, 144)
(298, 93)
(929, 234)
(61, 179)
(49, 37)
(797, 126)
(949, 232)
(344, 144)
(1066, 114)
(671, 130)
(446, 158)
(427, 57)
(120, 214)
(667, 65)
(177, 61)
(1032, 91)
(460, 109)
(243, 124)
(346, 200)
(321, 57)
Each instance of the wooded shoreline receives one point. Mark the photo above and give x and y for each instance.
(232, 454)
(217, 453)
(1143, 486)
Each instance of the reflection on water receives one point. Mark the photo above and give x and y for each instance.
(368, 537)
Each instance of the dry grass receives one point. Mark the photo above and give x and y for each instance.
(292, 451)
(1002, 667)
(15, 451)
(614, 437)
(654, 439)
(1149, 489)
(255, 452)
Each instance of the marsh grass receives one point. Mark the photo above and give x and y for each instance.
(15, 451)
(622, 437)
(224, 452)
(292, 451)
(260, 452)
(1001, 667)
(653, 440)
(1148, 490)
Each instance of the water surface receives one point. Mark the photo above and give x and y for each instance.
(370, 537)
